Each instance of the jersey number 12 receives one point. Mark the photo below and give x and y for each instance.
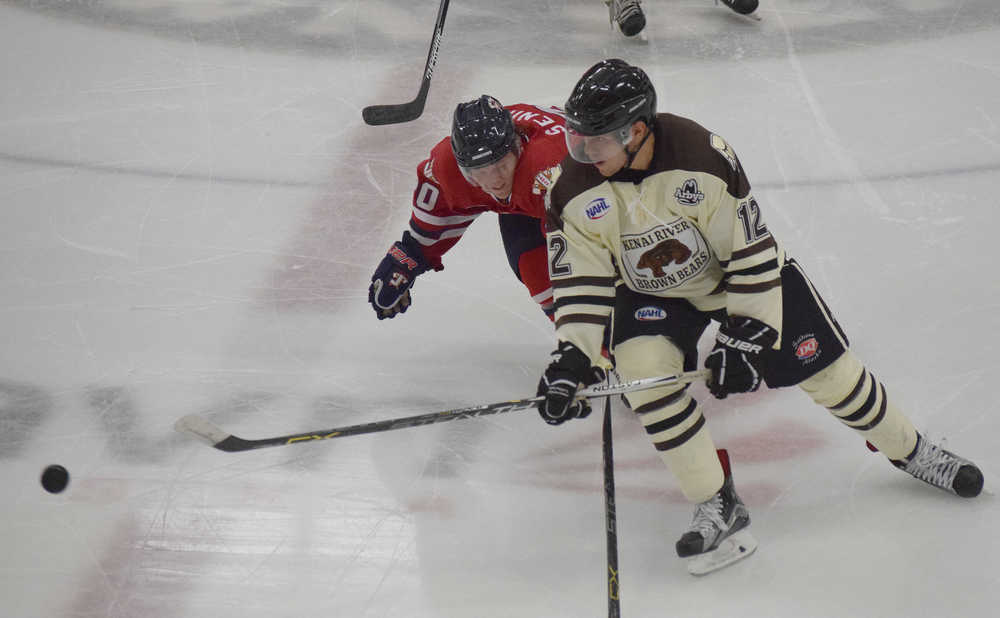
(753, 228)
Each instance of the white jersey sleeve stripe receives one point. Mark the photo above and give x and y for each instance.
(542, 296)
(453, 220)
(424, 240)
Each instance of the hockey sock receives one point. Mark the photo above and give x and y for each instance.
(671, 416)
(855, 397)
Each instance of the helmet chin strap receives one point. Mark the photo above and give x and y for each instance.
(502, 200)
(631, 155)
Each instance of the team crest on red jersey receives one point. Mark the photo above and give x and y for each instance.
(544, 180)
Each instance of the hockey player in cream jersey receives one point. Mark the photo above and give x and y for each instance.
(653, 227)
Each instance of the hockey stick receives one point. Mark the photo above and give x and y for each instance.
(405, 112)
(610, 518)
(224, 441)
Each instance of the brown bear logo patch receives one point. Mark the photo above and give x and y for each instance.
(667, 252)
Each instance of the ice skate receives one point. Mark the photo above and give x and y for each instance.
(717, 536)
(628, 15)
(935, 466)
(743, 7)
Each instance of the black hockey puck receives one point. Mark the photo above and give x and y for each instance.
(55, 478)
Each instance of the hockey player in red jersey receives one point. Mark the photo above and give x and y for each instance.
(497, 159)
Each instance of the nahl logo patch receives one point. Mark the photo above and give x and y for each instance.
(650, 314)
(688, 193)
(597, 208)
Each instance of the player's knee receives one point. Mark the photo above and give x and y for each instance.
(668, 413)
(647, 356)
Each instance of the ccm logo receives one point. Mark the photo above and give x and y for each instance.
(648, 314)
(597, 208)
(736, 344)
(807, 349)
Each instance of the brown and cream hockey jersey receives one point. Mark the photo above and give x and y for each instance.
(686, 227)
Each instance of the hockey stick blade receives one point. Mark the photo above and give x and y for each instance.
(224, 441)
(201, 428)
(376, 115)
(405, 112)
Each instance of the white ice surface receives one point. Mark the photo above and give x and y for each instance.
(192, 207)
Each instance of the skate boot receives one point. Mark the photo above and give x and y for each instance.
(715, 519)
(743, 7)
(628, 15)
(933, 465)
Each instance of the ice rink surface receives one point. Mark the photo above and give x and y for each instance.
(192, 208)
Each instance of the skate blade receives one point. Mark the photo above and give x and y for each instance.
(735, 548)
(639, 37)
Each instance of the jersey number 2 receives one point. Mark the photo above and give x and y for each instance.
(557, 250)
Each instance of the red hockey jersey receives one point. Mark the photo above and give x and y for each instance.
(445, 203)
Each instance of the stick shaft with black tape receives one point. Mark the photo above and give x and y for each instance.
(201, 427)
(610, 516)
(405, 112)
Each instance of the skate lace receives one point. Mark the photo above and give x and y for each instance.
(623, 9)
(708, 518)
(934, 465)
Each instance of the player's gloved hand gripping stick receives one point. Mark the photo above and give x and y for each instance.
(569, 368)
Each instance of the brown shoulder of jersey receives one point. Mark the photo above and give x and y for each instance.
(574, 179)
(682, 143)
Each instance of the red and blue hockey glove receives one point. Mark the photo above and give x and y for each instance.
(735, 359)
(569, 368)
(389, 292)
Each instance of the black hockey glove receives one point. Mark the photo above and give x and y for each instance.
(735, 359)
(568, 370)
(389, 292)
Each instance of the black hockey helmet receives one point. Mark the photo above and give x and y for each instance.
(482, 132)
(611, 95)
